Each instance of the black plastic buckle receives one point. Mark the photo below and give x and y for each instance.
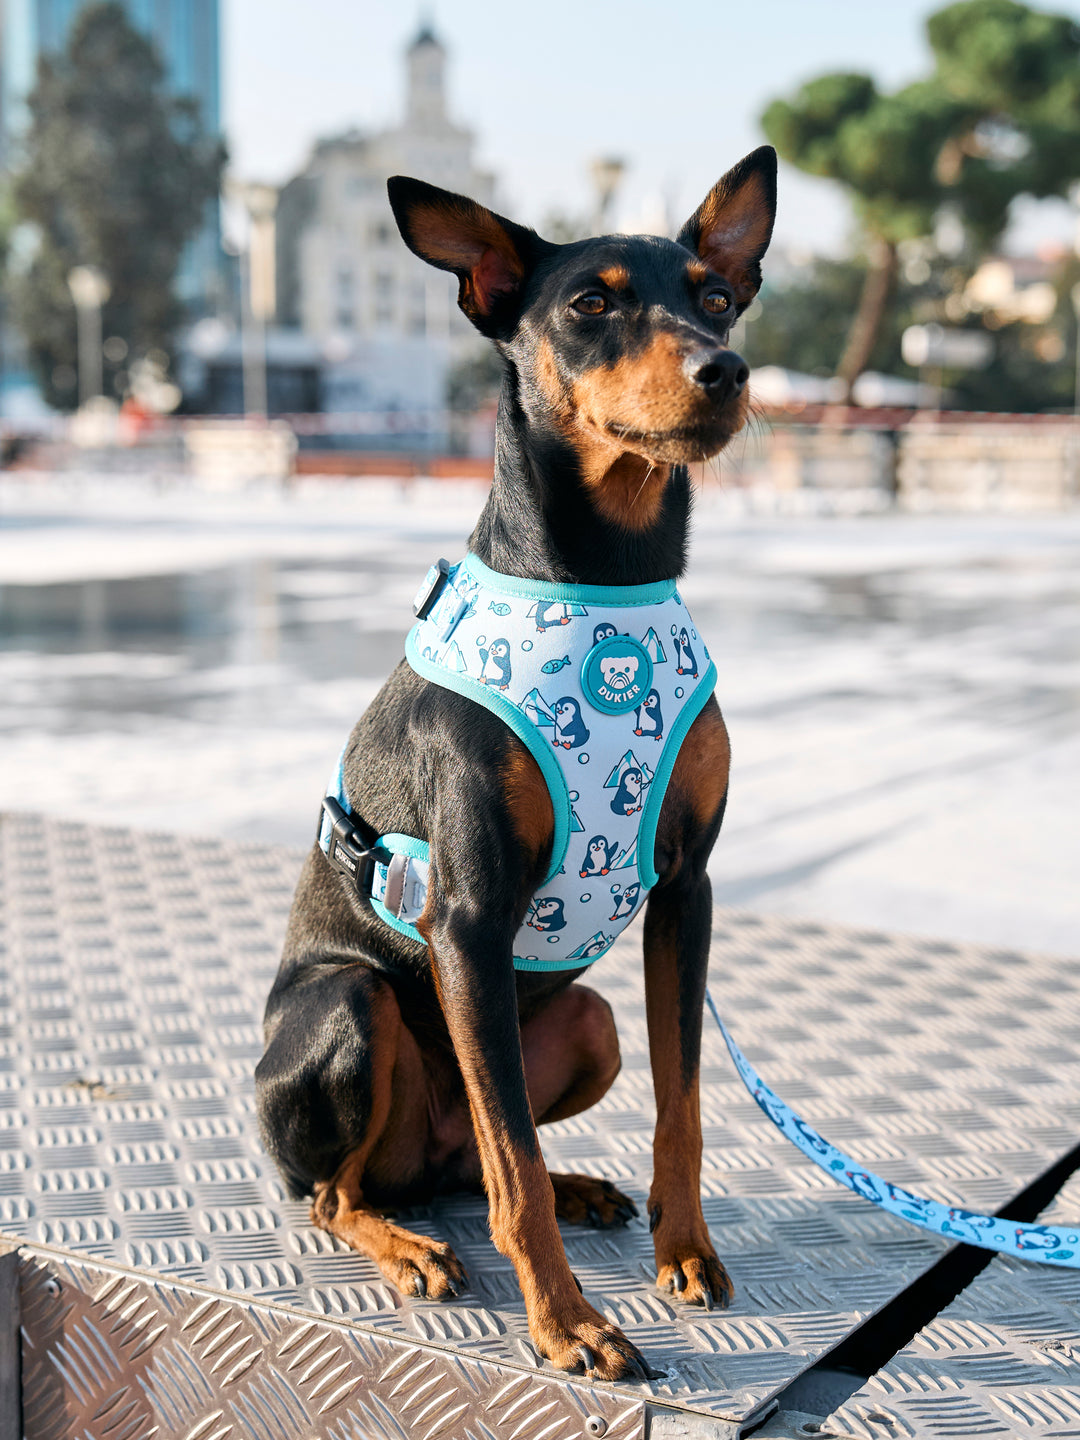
(347, 852)
(433, 586)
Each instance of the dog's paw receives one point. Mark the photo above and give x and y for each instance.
(590, 1345)
(690, 1269)
(423, 1268)
(581, 1200)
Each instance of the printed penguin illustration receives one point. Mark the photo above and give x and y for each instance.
(496, 668)
(1037, 1237)
(596, 946)
(598, 856)
(687, 663)
(548, 914)
(603, 632)
(628, 796)
(648, 717)
(570, 731)
(626, 901)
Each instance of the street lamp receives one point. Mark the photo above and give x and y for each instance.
(258, 284)
(89, 290)
(1075, 294)
(607, 171)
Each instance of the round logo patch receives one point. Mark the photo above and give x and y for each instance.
(616, 674)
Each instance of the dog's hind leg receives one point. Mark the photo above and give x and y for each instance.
(341, 1087)
(571, 1054)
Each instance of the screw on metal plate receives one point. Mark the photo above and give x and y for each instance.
(595, 1425)
(52, 1286)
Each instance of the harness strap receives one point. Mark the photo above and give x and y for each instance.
(390, 872)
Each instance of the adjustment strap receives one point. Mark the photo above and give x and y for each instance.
(400, 886)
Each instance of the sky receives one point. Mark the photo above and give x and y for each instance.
(674, 90)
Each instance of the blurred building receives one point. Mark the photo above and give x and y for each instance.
(186, 35)
(388, 324)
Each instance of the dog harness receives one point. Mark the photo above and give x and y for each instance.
(602, 684)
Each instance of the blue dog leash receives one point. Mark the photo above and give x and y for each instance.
(1051, 1244)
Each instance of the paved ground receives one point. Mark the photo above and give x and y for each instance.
(903, 692)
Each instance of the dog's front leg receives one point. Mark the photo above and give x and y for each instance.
(678, 923)
(475, 981)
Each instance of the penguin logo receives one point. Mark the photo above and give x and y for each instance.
(598, 856)
(496, 667)
(687, 664)
(603, 632)
(552, 612)
(625, 903)
(628, 796)
(570, 730)
(649, 719)
(548, 914)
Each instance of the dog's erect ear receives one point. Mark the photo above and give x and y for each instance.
(731, 228)
(490, 256)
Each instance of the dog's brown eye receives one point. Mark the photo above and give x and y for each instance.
(716, 302)
(591, 304)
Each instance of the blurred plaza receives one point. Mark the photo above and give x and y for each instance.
(902, 689)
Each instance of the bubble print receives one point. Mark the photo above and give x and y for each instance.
(526, 644)
(481, 639)
(583, 759)
(553, 939)
(679, 692)
(674, 630)
(585, 898)
(574, 796)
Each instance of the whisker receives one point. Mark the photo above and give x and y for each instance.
(641, 487)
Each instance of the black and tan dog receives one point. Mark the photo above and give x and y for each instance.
(394, 1070)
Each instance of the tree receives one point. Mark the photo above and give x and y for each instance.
(999, 117)
(882, 148)
(117, 175)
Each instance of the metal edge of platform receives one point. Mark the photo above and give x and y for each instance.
(137, 1355)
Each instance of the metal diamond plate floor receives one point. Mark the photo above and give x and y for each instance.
(1002, 1359)
(133, 973)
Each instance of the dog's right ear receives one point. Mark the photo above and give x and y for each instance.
(491, 256)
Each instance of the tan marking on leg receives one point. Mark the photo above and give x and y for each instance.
(529, 801)
(703, 765)
(416, 1264)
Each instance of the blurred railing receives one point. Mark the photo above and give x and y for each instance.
(847, 457)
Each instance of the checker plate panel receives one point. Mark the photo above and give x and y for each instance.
(133, 974)
(1002, 1359)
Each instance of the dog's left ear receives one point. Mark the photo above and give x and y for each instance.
(491, 256)
(731, 228)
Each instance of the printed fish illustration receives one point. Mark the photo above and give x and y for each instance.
(499, 608)
(554, 666)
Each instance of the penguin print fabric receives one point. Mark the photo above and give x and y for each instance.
(602, 684)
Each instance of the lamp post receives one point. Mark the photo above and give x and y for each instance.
(89, 290)
(607, 171)
(258, 285)
(1075, 296)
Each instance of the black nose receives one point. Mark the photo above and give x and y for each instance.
(721, 373)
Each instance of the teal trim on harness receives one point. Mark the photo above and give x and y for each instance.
(401, 926)
(650, 815)
(605, 595)
(416, 850)
(404, 845)
(526, 732)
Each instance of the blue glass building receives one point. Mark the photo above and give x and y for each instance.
(186, 35)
